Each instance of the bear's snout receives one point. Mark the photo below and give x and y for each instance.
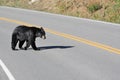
(43, 37)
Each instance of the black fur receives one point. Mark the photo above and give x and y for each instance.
(26, 34)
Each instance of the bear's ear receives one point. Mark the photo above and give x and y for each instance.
(41, 28)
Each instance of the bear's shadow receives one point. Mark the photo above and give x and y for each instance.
(53, 47)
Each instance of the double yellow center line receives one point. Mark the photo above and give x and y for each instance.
(75, 38)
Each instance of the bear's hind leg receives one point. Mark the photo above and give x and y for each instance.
(27, 45)
(14, 43)
(21, 44)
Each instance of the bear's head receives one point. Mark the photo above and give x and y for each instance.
(41, 33)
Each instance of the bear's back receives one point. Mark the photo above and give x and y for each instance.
(23, 28)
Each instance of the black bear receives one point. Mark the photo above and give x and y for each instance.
(26, 34)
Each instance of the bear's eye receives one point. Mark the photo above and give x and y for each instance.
(43, 31)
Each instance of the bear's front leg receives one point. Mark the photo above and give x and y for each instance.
(34, 46)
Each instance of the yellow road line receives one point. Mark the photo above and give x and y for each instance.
(14, 21)
(85, 41)
(98, 45)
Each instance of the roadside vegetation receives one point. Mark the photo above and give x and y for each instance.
(105, 10)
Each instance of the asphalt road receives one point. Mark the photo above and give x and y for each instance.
(62, 57)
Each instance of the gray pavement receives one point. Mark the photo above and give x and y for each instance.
(61, 58)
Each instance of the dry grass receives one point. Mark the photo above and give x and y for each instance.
(106, 10)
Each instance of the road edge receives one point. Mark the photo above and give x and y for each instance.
(6, 70)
